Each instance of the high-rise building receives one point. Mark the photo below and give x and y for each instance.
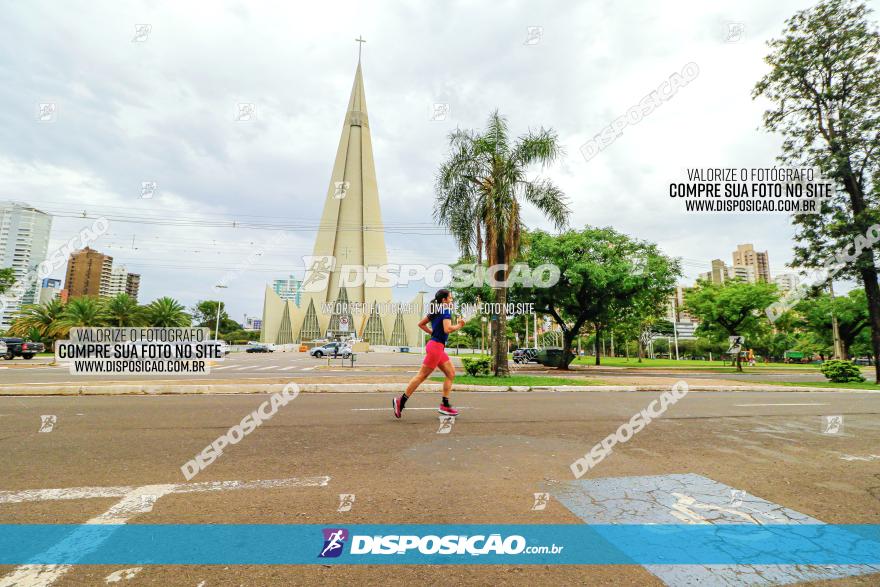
(24, 243)
(676, 311)
(717, 275)
(133, 284)
(721, 273)
(121, 281)
(786, 281)
(747, 255)
(50, 289)
(742, 272)
(289, 289)
(89, 273)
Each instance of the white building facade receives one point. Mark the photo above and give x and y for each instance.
(24, 244)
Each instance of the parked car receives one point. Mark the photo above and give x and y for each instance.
(864, 361)
(331, 349)
(19, 347)
(2, 348)
(259, 348)
(224, 347)
(525, 355)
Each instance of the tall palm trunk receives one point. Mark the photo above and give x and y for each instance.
(499, 336)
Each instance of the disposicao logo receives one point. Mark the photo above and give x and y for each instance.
(334, 541)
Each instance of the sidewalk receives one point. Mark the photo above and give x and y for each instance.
(190, 388)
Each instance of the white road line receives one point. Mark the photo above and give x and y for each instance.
(135, 500)
(390, 409)
(267, 368)
(83, 540)
(309, 368)
(287, 368)
(221, 368)
(761, 405)
(122, 490)
(245, 367)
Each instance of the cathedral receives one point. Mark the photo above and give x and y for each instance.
(351, 234)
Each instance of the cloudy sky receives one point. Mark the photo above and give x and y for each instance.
(159, 104)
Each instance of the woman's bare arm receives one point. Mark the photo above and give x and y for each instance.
(448, 327)
(424, 325)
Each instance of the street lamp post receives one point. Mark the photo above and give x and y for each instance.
(219, 305)
(675, 324)
(835, 328)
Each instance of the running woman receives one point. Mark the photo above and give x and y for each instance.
(440, 321)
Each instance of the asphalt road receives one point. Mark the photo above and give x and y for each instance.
(503, 448)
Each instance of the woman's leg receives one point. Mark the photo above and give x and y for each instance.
(398, 403)
(448, 370)
(420, 377)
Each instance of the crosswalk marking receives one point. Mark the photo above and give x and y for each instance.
(135, 501)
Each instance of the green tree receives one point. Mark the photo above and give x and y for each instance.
(734, 308)
(123, 310)
(824, 82)
(850, 310)
(481, 189)
(605, 276)
(80, 312)
(7, 278)
(166, 313)
(42, 318)
(204, 314)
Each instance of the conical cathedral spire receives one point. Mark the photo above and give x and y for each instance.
(351, 224)
(352, 233)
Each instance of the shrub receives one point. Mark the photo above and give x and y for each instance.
(841, 371)
(476, 366)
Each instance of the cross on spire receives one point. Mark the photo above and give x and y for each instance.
(360, 40)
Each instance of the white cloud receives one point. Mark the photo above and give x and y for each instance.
(162, 110)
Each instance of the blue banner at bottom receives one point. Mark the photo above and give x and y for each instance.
(411, 544)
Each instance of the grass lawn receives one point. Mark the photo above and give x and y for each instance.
(714, 366)
(532, 380)
(825, 384)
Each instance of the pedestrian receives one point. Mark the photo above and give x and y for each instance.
(438, 323)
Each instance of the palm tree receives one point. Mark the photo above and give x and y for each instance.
(480, 192)
(166, 313)
(80, 312)
(123, 310)
(41, 320)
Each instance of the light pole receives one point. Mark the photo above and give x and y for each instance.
(483, 321)
(675, 323)
(219, 305)
(835, 329)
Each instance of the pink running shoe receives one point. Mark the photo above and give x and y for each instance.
(447, 410)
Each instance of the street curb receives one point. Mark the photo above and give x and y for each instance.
(219, 389)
